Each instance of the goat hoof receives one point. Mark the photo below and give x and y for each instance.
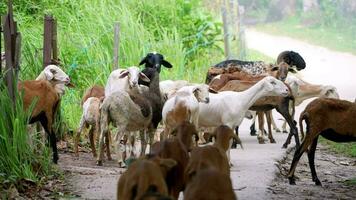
(291, 181)
(99, 163)
(317, 182)
(277, 130)
(261, 141)
(253, 133)
(284, 146)
(284, 131)
(272, 141)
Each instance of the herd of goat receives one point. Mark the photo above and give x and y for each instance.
(135, 100)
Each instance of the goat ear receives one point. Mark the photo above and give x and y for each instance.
(49, 75)
(144, 60)
(211, 90)
(144, 77)
(124, 73)
(166, 64)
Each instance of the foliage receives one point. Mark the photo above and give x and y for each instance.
(21, 156)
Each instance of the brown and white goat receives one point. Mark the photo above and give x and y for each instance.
(46, 95)
(333, 119)
(94, 91)
(91, 117)
(144, 177)
(210, 184)
(177, 148)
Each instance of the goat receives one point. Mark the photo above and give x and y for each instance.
(210, 184)
(94, 91)
(46, 95)
(266, 103)
(184, 106)
(229, 108)
(177, 149)
(255, 67)
(124, 80)
(306, 91)
(206, 157)
(279, 71)
(91, 117)
(131, 111)
(292, 59)
(333, 119)
(144, 177)
(169, 87)
(155, 60)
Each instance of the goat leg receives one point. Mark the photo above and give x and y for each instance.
(268, 116)
(311, 156)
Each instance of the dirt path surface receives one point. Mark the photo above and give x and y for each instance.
(334, 171)
(254, 170)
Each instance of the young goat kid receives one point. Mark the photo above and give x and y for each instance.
(184, 106)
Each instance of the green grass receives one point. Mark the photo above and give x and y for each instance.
(22, 156)
(348, 149)
(341, 38)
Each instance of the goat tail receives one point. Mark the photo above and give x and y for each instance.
(303, 116)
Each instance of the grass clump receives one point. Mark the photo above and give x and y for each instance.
(22, 157)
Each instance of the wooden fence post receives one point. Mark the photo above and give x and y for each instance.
(116, 45)
(226, 31)
(12, 43)
(47, 40)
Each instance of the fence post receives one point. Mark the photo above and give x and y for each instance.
(116, 45)
(12, 42)
(226, 31)
(47, 40)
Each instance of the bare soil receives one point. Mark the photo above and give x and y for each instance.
(333, 170)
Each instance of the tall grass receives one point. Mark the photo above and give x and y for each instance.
(21, 157)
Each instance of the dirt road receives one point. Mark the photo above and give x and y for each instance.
(254, 170)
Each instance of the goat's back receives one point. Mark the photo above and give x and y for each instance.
(210, 184)
(94, 91)
(41, 92)
(207, 157)
(328, 113)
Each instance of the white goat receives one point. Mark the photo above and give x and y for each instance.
(184, 106)
(56, 77)
(229, 108)
(124, 80)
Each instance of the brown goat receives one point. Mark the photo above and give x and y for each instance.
(211, 155)
(333, 119)
(210, 184)
(279, 71)
(143, 178)
(94, 91)
(281, 104)
(47, 103)
(177, 149)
